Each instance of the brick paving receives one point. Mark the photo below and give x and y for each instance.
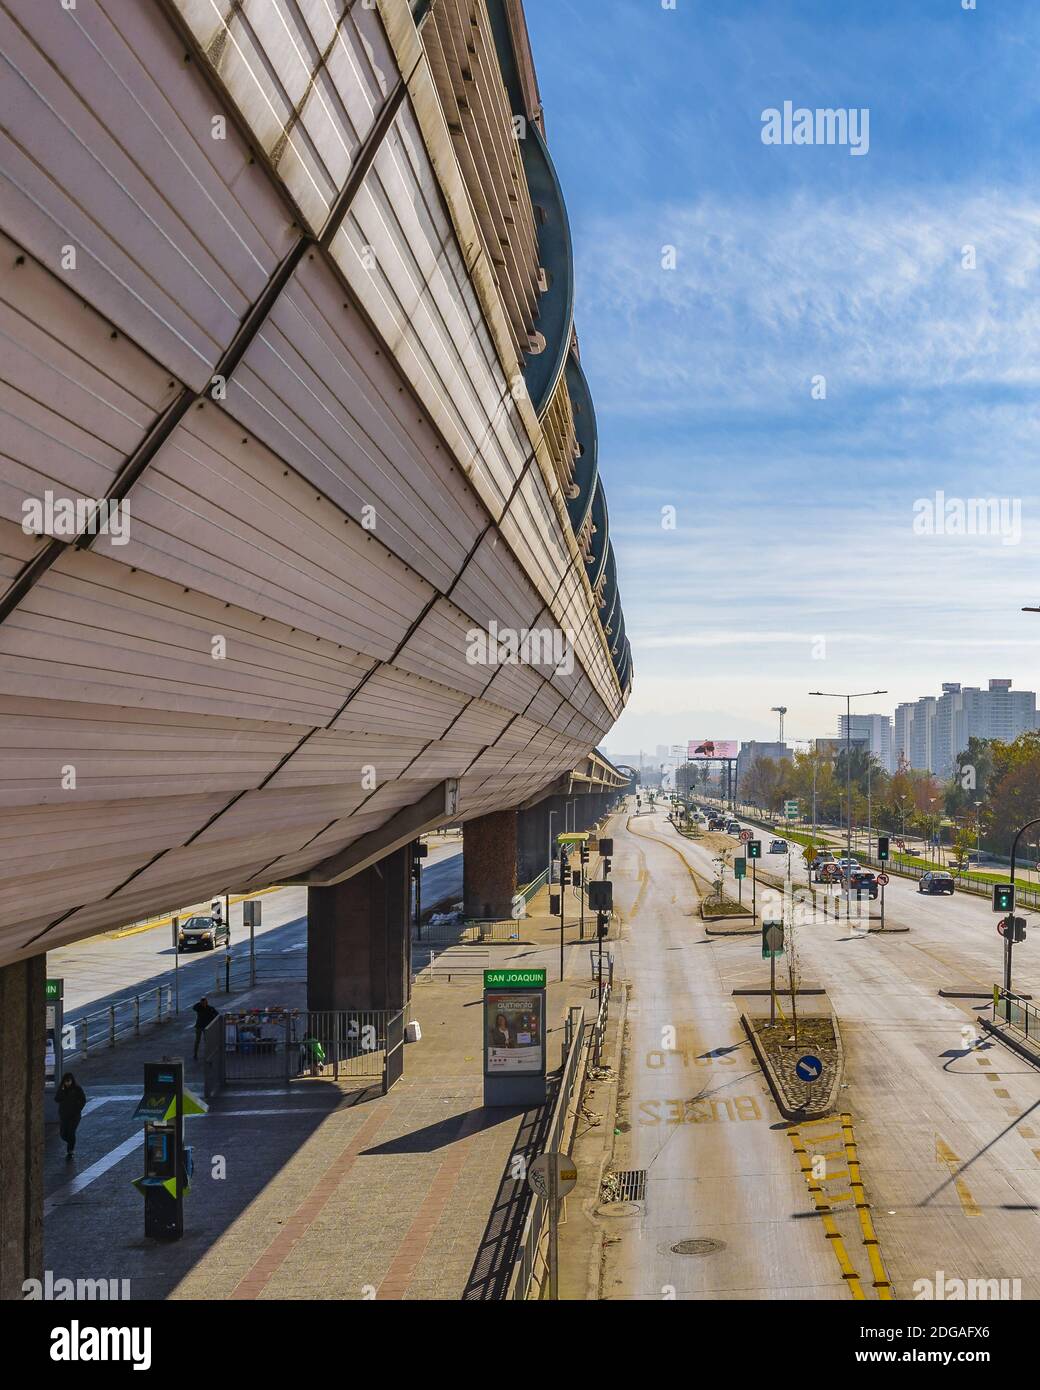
(318, 1190)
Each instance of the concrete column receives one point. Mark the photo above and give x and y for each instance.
(532, 840)
(359, 939)
(21, 1124)
(489, 846)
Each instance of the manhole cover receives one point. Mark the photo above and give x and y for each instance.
(703, 1245)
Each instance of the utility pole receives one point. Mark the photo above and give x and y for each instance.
(848, 698)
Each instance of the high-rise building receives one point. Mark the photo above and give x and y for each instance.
(749, 752)
(931, 731)
(876, 729)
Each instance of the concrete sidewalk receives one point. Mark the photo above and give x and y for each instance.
(318, 1190)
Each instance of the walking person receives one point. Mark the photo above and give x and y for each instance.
(205, 1013)
(70, 1099)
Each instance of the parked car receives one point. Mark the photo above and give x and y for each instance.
(778, 847)
(935, 881)
(204, 933)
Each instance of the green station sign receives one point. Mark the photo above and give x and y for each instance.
(514, 979)
(53, 989)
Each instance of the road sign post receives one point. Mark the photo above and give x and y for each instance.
(808, 1069)
(552, 1175)
(772, 946)
(882, 880)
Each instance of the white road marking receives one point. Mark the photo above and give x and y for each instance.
(91, 1174)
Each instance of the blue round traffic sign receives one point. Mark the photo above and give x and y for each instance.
(808, 1068)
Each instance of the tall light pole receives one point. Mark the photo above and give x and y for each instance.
(781, 710)
(978, 834)
(848, 697)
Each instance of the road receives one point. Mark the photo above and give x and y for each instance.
(102, 970)
(947, 1122)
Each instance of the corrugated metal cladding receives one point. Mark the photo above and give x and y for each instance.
(236, 318)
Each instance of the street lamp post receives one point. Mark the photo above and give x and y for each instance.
(781, 710)
(848, 697)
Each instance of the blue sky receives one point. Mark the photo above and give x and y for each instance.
(794, 515)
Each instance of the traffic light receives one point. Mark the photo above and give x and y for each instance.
(882, 848)
(1012, 928)
(1003, 897)
(602, 924)
(754, 849)
(565, 871)
(606, 868)
(583, 852)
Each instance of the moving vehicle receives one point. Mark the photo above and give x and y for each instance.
(778, 847)
(716, 823)
(864, 881)
(936, 881)
(204, 933)
(733, 827)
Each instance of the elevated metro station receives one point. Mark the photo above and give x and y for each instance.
(304, 547)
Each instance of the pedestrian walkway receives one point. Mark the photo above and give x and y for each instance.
(318, 1190)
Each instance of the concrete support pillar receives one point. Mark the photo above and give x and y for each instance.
(21, 1124)
(489, 855)
(359, 939)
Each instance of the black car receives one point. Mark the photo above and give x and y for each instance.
(204, 933)
(936, 882)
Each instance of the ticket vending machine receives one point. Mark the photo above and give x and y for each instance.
(167, 1160)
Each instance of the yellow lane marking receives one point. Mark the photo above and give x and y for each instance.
(1027, 1133)
(866, 1221)
(944, 1154)
(823, 1208)
(1004, 1095)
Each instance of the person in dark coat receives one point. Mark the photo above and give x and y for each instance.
(70, 1099)
(205, 1013)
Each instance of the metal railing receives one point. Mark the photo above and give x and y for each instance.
(529, 1269)
(1017, 1013)
(122, 1019)
(278, 1045)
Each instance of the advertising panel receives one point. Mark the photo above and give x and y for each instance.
(706, 748)
(514, 1032)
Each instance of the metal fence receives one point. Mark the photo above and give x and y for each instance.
(122, 1019)
(1024, 897)
(529, 1269)
(279, 1045)
(1017, 1013)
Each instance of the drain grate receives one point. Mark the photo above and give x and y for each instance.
(627, 1186)
(703, 1245)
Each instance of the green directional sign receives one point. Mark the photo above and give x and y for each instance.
(740, 867)
(53, 989)
(790, 810)
(514, 979)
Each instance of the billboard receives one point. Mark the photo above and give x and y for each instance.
(704, 748)
(515, 1032)
(831, 747)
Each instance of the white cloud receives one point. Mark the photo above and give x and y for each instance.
(768, 293)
